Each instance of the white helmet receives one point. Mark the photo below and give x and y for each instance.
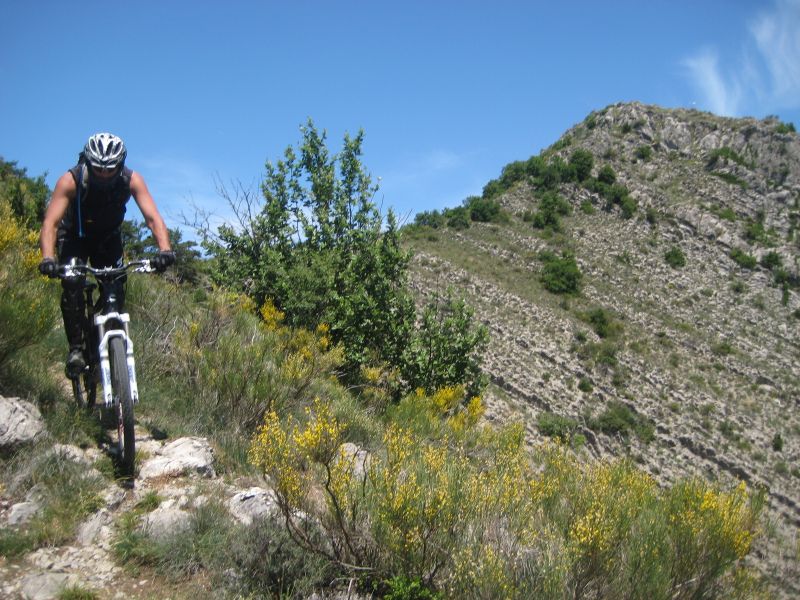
(105, 150)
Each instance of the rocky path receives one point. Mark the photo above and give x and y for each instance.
(181, 472)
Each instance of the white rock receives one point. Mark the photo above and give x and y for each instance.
(96, 527)
(163, 522)
(22, 512)
(181, 457)
(46, 586)
(20, 422)
(251, 504)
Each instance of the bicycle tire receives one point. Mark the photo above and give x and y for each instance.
(77, 391)
(121, 386)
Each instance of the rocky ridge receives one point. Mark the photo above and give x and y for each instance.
(709, 352)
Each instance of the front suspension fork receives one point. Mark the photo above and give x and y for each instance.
(105, 363)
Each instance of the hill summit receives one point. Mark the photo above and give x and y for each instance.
(640, 280)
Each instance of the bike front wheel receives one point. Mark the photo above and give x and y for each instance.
(121, 385)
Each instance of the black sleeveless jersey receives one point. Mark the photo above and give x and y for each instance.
(96, 211)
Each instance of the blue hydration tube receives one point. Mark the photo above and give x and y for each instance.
(80, 185)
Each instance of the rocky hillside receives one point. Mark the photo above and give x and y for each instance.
(687, 320)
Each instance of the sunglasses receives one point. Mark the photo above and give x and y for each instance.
(104, 170)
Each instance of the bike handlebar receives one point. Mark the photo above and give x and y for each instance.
(68, 270)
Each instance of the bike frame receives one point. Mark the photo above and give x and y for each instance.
(107, 324)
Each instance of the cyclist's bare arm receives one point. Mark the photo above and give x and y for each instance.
(63, 194)
(152, 217)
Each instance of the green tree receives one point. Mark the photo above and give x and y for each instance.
(583, 161)
(446, 349)
(607, 175)
(26, 196)
(561, 274)
(320, 251)
(138, 242)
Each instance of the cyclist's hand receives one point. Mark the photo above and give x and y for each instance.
(162, 260)
(48, 267)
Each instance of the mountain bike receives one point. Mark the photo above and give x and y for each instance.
(108, 353)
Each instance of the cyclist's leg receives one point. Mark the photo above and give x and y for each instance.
(108, 253)
(73, 304)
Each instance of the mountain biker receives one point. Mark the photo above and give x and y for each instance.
(83, 220)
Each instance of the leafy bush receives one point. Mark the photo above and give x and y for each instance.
(457, 218)
(725, 153)
(483, 210)
(771, 260)
(618, 418)
(675, 257)
(446, 349)
(556, 426)
(744, 260)
(433, 219)
(644, 153)
(551, 207)
(777, 442)
(628, 206)
(607, 175)
(785, 128)
(583, 161)
(28, 306)
(603, 323)
(26, 197)
(439, 508)
(560, 275)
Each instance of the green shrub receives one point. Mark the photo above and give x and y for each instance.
(433, 219)
(444, 509)
(457, 218)
(603, 322)
(723, 348)
(675, 257)
(628, 206)
(551, 207)
(585, 385)
(28, 305)
(731, 178)
(77, 592)
(744, 260)
(607, 175)
(618, 418)
(785, 128)
(583, 161)
(483, 210)
(777, 442)
(771, 260)
(644, 153)
(725, 153)
(560, 275)
(556, 426)
(403, 588)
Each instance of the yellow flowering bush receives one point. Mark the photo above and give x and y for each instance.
(468, 511)
(27, 301)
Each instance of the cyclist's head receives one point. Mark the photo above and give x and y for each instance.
(105, 153)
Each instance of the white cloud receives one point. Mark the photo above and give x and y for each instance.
(766, 75)
(722, 96)
(777, 37)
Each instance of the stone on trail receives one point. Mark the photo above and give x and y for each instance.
(20, 423)
(184, 456)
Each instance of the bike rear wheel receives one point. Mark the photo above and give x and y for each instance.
(126, 438)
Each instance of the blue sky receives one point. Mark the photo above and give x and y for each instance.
(447, 92)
